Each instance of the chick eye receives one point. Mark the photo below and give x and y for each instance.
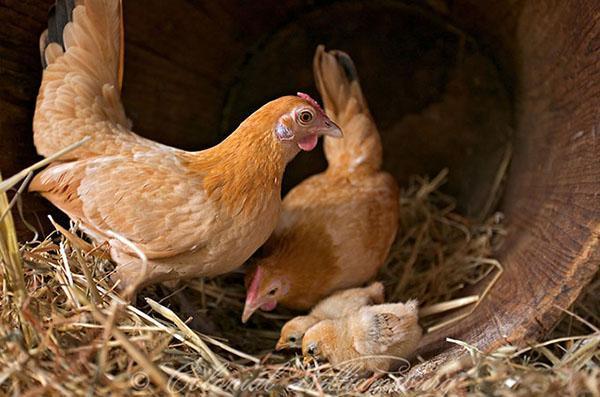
(305, 116)
(292, 339)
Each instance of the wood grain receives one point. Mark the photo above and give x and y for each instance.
(437, 99)
(20, 71)
(552, 200)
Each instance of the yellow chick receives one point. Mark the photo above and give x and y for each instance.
(373, 339)
(337, 305)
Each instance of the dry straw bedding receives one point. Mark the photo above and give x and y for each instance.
(65, 332)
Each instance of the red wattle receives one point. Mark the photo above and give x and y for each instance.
(267, 307)
(308, 143)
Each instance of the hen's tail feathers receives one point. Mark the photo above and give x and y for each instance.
(337, 81)
(80, 94)
(60, 35)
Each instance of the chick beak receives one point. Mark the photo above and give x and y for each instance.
(281, 345)
(308, 359)
(331, 129)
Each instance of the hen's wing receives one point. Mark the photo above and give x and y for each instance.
(149, 199)
(82, 53)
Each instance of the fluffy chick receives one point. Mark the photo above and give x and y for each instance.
(337, 305)
(337, 227)
(373, 339)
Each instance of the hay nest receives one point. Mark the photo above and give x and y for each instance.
(64, 330)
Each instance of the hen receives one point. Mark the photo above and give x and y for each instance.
(337, 227)
(337, 305)
(190, 213)
(372, 339)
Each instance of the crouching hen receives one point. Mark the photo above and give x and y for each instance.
(190, 213)
(337, 227)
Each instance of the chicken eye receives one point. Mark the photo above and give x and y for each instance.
(273, 292)
(305, 116)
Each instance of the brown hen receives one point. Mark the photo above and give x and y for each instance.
(337, 227)
(189, 213)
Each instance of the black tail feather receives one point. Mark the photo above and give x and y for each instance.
(59, 15)
(54, 33)
(347, 65)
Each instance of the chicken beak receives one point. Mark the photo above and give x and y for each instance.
(281, 345)
(248, 311)
(331, 129)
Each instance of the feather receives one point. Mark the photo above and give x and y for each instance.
(386, 329)
(338, 83)
(385, 326)
(87, 38)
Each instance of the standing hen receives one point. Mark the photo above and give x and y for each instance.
(337, 227)
(190, 213)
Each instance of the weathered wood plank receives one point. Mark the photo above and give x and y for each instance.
(552, 201)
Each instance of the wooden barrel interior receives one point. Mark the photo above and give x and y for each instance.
(194, 69)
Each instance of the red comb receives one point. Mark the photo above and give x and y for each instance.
(310, 100)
